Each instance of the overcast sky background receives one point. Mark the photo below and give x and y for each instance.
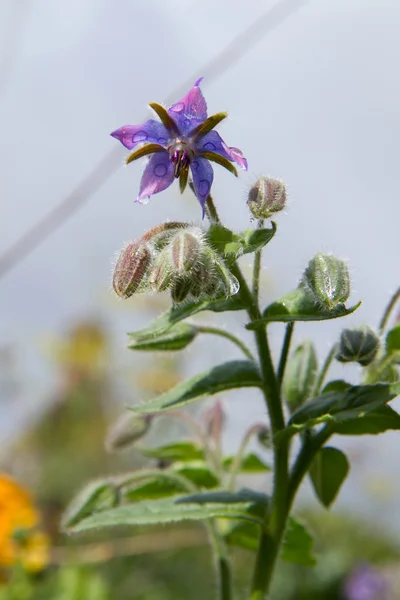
(315, 102)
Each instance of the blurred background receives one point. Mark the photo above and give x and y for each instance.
(312, 92)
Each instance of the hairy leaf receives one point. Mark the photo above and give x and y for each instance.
(299, 305)
(230, 375)
(96, 496)
(165, 510)
(180, 312)
(349, 404)
(176, 337)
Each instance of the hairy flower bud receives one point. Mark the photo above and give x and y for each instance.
(358, 345)
(328, 279)
(161, 275)
(181, 289)
(128, 430)
(185, 251)
(266, 197)
(130, 269)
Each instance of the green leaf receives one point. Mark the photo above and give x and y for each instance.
(176, 337)
(298, 544)
(244, 535)
(231, 244)
(300, 374)
(178, 451)
(257, 502)
(165, 510)
(255, 239)
(377, 421)
(393, 341)
(250, 464)
(181, 312)
(299, 305)
(96, 496)
(225, 241)
(228, 376)
(349, 404)
(328, 471)
(338, 385)
(197, 472)
(152, 490)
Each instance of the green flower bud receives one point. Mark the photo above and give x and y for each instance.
(328, 279)
(358, 345)
(130, 269)
(266, 197)
(161, 275)
(300, 375)
(128, 430)
(185, 251)
(181, 289)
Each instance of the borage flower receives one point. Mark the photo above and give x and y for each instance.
(185, 138)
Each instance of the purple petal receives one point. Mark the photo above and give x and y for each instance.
(203, 175)
(236, 156)
(213, 142)
(191, 110)
(157, 176)
(150, 131)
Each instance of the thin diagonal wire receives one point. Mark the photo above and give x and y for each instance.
(235, 50)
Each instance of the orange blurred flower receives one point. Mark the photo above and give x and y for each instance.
(20, 541)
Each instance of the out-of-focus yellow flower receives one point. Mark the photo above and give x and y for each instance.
(84, 348)
(19, 542)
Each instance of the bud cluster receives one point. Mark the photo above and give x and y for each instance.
(175, 257)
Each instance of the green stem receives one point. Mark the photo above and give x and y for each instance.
(393, 301)
(209, 208)
(257, 268)
(239, 456)
(325, 367)
(222, 563)
(276, 516)
(227, 335)
(285, 351)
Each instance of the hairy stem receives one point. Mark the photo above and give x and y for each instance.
(285, 351)
(388, 310)
(229, 336)
(276, 516)
(257, 268)
(324, 370)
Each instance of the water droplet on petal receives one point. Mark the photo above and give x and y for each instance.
(204, 187)
(160, 170)
(179, 107)
(139, 136)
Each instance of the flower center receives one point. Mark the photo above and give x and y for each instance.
(181, 155)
